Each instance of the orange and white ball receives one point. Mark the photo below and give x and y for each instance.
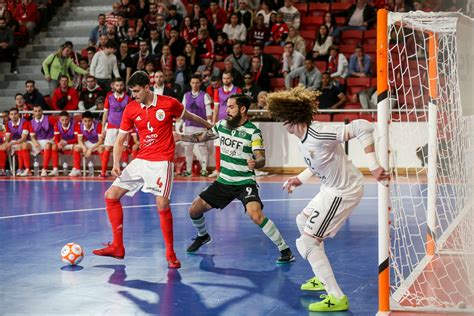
(72, 254)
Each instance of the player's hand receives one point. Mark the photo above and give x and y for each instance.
(381, 175)
(88, 153)
(8, 146)
(116, 171)
(37, 145)
(84, 150)
(251, 164)
(291, 184)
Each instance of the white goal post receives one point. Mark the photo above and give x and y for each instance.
(425, 66)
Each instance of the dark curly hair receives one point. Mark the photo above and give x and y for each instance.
(293, 106)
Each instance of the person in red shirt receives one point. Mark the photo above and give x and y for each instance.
(216, 15)
(26, 13)
(64, 97)
(152, 170)
(42, 139)
(89, 139)
(17, 130)
(279, 30)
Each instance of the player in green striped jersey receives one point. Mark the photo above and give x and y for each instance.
(242, 151)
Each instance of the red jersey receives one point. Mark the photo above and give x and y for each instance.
(154, 125)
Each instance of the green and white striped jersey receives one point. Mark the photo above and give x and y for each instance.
(237, 145)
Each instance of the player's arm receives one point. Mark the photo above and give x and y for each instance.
(258, 161)
(80, 142)
(364, 132)
(198, 137)
(196, 119)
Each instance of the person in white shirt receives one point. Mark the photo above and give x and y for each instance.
(235, 30)
(338, 66)
(341, 184)
(104, 64)
(322, 44)
(292, 59)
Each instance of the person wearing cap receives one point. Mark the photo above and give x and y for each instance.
(308, 75)
(244, 14)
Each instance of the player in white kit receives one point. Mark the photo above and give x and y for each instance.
(341, 184)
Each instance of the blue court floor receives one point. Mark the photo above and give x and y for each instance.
(234, 275)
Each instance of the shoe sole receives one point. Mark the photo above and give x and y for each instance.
(313, 290)
(207, 243)
(286, 262)
(101, 255)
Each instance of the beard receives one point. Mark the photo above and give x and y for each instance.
(233, 122)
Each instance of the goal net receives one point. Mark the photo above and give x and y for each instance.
(430, 207)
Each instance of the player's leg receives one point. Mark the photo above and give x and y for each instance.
(76, 161)
(3, 159)
(158, 180)
(18, 149)
(110, 136)
(129, 182)
(25, 152)
(253, 205)
(166, 224)
(114, 210)
(135, 148)
(46, 156)
(196, 213)
(312, 249)
(217, 195)
(217, 156)
(325, 214)
(188, 156)
(54, 160)
(202, 156)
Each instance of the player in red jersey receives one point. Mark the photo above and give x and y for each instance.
(152, 171)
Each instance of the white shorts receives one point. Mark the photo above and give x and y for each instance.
(155, 177)
(327, 212)
(35, 150)
(88, 145)
(110, 136)
(68, 147)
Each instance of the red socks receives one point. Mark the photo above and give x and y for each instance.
(55, 156)
(20, 159)
(134, 154)
(26, 158)
(166, 223)
(76, 160)
(218, 158)
(125, 156)
(115, 214)
(3, 159)
(105, 160)
(46, 158)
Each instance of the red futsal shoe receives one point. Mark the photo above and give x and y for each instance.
(110, 251)
(173, 262)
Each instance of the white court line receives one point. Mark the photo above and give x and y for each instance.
(143, 206)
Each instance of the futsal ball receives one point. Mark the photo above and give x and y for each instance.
(72, 254)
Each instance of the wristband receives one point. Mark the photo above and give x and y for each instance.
(372, 161)
(305, 175)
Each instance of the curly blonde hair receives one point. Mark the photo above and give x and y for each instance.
(293, 106)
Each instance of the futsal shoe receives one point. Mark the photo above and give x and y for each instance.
(54, 173)
(286, 256)
(110, 251)
(198, 242)
(44, 173)
(173, 262)
(186, 174)
(330, 304)
(214, 174)
(75, 173)
(204, 173)
(312, 284)
(26, 173)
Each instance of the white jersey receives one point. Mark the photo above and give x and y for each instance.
(325, 156)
